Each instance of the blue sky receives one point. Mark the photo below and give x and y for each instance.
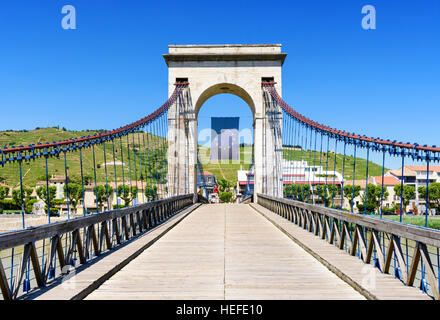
(110, 71)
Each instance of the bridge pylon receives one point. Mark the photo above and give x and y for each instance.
(216, 69)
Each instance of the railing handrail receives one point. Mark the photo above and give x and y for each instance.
(13, 239)
(415, 233)
(347, 135)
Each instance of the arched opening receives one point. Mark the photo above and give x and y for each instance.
(225, 135)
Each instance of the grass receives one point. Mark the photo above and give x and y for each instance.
(314, 157)
(433, 222)
(35, 170)
(226, 169)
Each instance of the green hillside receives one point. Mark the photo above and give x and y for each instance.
(35, 171)
(225, 169)
(313, 157)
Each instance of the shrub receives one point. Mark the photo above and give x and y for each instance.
(9, 204)
(370, 207)
(225, 196)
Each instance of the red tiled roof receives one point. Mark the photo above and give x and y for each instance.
(360, 183)
(310, 182)
(205, 173)
(388, 180)
(423, 168)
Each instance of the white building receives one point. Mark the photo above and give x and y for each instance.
(298, 172)
(416, 175)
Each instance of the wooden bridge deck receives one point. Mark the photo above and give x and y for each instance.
(225, 252)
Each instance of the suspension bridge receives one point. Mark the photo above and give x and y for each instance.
(135, 226)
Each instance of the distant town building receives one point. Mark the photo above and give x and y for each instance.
(416, 176)
(224, 138)
(298, 172)
(207, 181)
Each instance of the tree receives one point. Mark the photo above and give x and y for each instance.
(323, 194)
(374, 197)
(101, 192)
(225, 196)
(350, 193)
(151, 192)
(127, 194)
(296, 191)
(224, 185)
(88, 178)
(74, 193)
(27, 197)
(157, 165)
(42, 194)
(409, 193)
(4, 191)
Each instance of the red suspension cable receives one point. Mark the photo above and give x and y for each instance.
(178, 89)
(269, 86)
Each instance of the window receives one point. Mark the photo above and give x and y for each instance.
(267, 79)
(180, 80)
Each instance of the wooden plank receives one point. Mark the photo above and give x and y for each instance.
(348, 236)
(370, 247)
(70, 250)
(414, 264)
(125, 228)
(94, 240)
(145, 219)
(224, 251)
(305, 220)
(379, 253)
(354, 242)
(33, 234)
(350, 268)
(116, 232)
(361, 240)
(400, 258)
(77, 238)
(336, 231)
(132, 225)
(312, 224)
(427, 236)
(21, 269)
(139, 222)
(388, 257)
(4, 283)
(107, 235)
(432, 280)
(60, 254)
(323, 226)
(36, 266)
(342, 242)
(327, 226)
(50, 257)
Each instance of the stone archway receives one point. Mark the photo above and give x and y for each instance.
(224, 88)
(215, 69)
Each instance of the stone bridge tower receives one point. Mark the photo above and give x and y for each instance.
(215, 69)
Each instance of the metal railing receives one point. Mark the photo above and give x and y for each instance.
(38, 249)
(411, 252)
